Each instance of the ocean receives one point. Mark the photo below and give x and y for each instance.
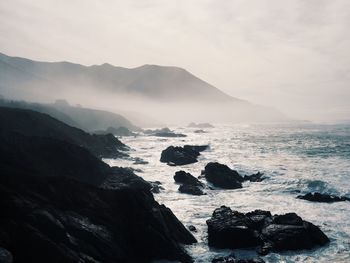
(295, 159)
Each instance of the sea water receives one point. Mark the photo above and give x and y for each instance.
(295, 159)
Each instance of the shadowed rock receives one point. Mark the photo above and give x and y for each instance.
(232, 229)
(189, 183)
(179, 156)
(323, 198)
(222, 176)
(32, 123)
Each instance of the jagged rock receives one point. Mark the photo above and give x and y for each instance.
(120, 131)
(32, 123)
(231, 258)
(222, 176)
(179, 156)
(324, 198)
(189, 183)
(232, 229)
(257, 177)
(156, 187)
(191, 189)
(56, 219)
(5, 256)
(182, 177)
(192, 228)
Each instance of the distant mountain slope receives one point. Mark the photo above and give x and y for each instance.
(148, 80)
(164, 93)
(83, 118)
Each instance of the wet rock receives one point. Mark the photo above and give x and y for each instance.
(232, 229)
(189, 183)
(56, 219)
(179, 156)
(231, 258)
(182, 177)
(257, 177)
(192, 228)
(324, 198)
(198, 148)
(5, 256)
(156, 187)
(222, 176)
(138, 160)
(191, 189)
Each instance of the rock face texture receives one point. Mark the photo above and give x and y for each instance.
(56, 219)
(32, 123)
(222, 176)
(323, 198)
(189, 183)
(61, 203)
(232, 229)
(175, 155)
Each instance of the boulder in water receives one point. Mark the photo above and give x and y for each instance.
(191, 189)
(179, 155)
(222, 176)
(232, 229)
(257, 177)
(323, 198)
(182, 177)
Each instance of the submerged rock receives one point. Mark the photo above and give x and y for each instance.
(192, 228)
(222, 176)
(231, 258)
(179, 155)
(191, 189)
(324, 198)
(254, 177)
(232, 229)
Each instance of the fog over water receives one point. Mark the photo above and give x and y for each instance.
(290, 55)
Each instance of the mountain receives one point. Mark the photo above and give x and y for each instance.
(165, 93)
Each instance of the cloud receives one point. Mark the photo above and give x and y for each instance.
(289, 54)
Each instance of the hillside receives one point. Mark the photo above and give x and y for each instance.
(165, 93)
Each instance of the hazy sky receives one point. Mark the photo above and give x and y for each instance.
(292, 54)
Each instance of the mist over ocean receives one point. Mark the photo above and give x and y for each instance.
(295, 159)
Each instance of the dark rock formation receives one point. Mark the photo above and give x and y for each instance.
(182, 177)
(165, 130)
(120, 131)
(198, 148)
(138, 160)
(156, 187)
(231, 258)
(232, 229)
(179, 156)
(323, 198)
(31, 123)
(200, 125)
(60, 203)
(169, 134)
(254, 177)
(189, 183)
(56, 219)
(222, 176)
(192, 228)
(191, 189)
(5, 256)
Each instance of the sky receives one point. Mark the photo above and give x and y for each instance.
(293, 55)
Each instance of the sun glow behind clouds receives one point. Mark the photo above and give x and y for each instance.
(292, 55)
